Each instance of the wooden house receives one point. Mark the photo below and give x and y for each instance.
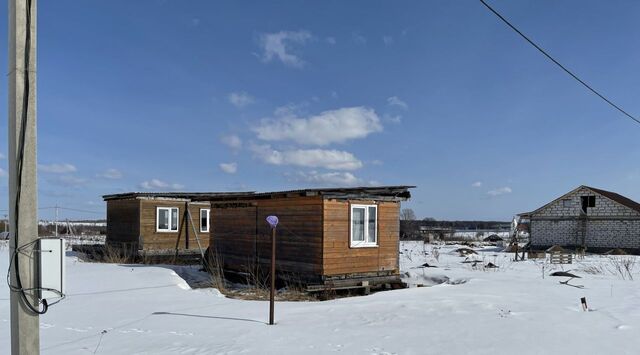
(337, 237)
(142, 221)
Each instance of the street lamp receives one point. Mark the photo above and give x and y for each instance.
(273, 222)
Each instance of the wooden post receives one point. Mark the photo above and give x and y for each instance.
(272, 294)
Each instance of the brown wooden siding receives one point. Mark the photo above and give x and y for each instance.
(242, 241)
(123, 217)
(340, 259)
(152, 239)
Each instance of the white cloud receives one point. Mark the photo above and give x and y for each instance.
(499, 191)
(278, 45)
(477, 184)
(57, 168)
(358, 38)
(111, 174)
(156, 184)
(67, 181)
(3, 173)
(387, 40)
(229, 168)
(290, 109)
(240, 99)
(328, 127)
(331, 178)
(310, 158)
(2, 156)
(395, 101)
(397, 119)
(330, 40)
(232, 141)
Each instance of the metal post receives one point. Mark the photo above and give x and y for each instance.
(56, 221)
(273, 275)
(23, 203)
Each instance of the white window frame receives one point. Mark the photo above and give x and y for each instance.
(366, 243)
(208, 220)
(168, 230)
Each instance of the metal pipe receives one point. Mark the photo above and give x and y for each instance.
(273, 276)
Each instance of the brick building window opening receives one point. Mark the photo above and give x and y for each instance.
(587, 201)
(567, 202)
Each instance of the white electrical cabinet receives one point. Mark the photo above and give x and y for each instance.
(51, 268)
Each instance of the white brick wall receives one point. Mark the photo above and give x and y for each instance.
(609, 224)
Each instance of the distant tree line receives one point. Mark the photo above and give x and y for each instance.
(410, 226)
(72, 228)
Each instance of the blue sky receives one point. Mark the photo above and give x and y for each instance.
(235, 95)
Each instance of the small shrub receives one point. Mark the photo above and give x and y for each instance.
(436, 254)
(621, 266)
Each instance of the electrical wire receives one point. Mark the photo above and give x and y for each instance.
(558, 63)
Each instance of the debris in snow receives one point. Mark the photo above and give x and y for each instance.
(569, 275)
(465, 251)
(491, 266)
(424, 265)
(568, 284)
(564, 274)
(493, 238)
(616, 251)
(555, 248)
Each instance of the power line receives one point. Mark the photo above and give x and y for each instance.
(70, 209)
(558, 63)
(64, 208)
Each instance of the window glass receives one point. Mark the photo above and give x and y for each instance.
(163, 219)
(371, 236)
(174, 219)
(357, 226)
(204, 220)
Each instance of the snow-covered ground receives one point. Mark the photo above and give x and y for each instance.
(138, 309)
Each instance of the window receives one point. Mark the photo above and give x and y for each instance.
(567, 202)
(204, 220)
(587, 201)
(364, 226)
(166, 219)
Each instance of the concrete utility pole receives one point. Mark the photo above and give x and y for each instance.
(25, 332)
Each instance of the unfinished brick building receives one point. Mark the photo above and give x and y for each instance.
(586, 217)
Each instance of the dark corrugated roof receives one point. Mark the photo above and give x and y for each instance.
(618, 198)
(183, 195)
(397, 192)
(364, 192)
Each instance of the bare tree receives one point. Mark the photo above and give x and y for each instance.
(407, 214)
